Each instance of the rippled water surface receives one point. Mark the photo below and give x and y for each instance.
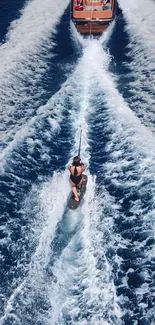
(94, 265)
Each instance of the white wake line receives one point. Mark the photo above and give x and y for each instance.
(84, 271)
(53, 203)
(104, 38)
(9, 307)
(125, 116)
(67, 88)
(140, 24)
(95, 62)
(34, 27)
(84, 75)
(50, 205)
(139, 15)
(54, 106)
(24, 59)
(22, 133)
(45, 240)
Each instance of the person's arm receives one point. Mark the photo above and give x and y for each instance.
(69, 168)
(83, 167)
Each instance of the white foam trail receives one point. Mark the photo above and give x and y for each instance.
(139, 17)
(84, 287)
(95, 63)
(79, 39)
(52, 207)
(107, 34)
(53, 111)
(121, 119)
(9, 307)
(30, 32)
(24, 60)
(55, 106)
(84, 75)
(144, 138)
(79, 282)
(125, 129)
(130, 168)
(76, 270)
(95, 235)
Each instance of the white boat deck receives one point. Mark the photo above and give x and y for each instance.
(98, 8)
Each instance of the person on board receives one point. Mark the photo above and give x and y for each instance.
(79, 5)
(105, 2)
(76, 170)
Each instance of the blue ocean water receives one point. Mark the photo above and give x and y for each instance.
(95, 265)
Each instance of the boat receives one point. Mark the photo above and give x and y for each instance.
(92, 16)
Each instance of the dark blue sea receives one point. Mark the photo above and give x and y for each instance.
(94, 265)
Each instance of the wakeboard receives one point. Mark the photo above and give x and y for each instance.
(72, 203)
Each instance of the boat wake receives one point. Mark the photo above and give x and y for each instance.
(141, 53)
(94, 265)
(25, 60)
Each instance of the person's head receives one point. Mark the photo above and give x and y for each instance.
(76, 161)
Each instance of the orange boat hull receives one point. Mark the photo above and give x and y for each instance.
(91, 28)
(94, 17)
